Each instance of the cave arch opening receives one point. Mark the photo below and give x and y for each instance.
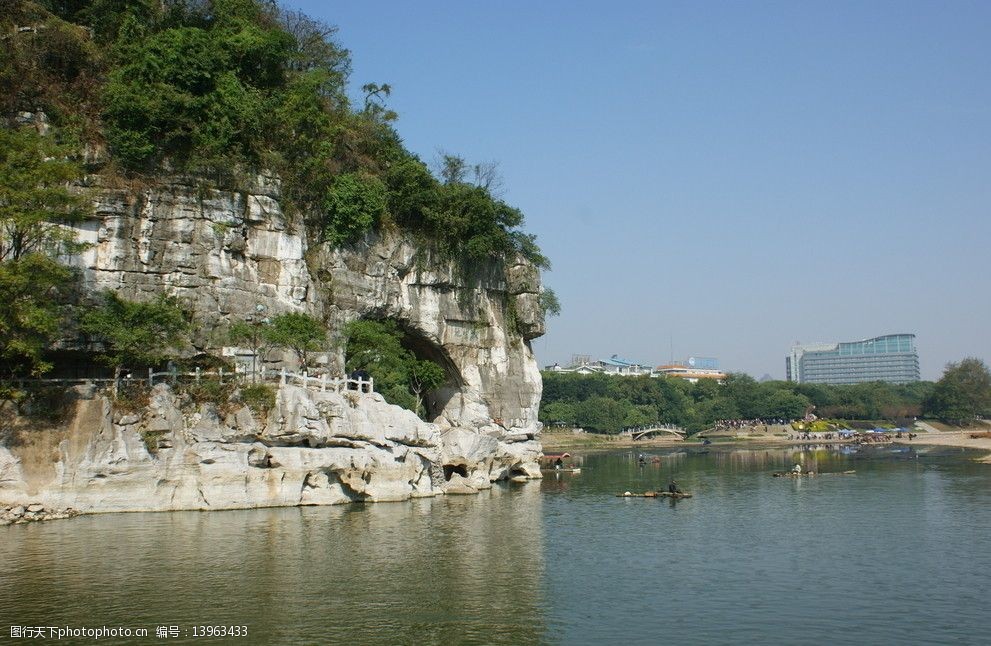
(410, 369)
(451, 469)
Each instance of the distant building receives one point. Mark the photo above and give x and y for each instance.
(707, 363)
(585, 365)
(892, 358)
(689, 372)
(692, 369)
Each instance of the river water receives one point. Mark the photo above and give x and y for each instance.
(898, 553)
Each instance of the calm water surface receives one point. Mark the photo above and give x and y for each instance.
(898, 553)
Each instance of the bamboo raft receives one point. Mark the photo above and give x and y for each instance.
(792, 474)
(654, 494)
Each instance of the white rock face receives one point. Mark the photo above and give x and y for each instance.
(224, 251)
(476, 322)
(227, 252)
(314, 448)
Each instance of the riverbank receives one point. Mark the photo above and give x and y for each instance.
(961, 439)
(558, 442)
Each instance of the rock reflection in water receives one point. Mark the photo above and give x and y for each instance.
(446, 570)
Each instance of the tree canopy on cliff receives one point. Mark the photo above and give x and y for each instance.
(227, 87)
(135, 334)
(34, 205)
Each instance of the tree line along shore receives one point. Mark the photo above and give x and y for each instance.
(608, 405)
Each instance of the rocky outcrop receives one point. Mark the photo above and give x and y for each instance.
(477, 325)
(226, 253)
(313, 448)
(230, 253)
(32, 512)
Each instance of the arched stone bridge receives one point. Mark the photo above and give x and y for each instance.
(647, 432)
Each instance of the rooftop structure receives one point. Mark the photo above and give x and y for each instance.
(584, 365)
(692, 369)
(892, 358)
(689, 372)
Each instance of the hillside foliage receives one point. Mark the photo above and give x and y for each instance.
(223, 88)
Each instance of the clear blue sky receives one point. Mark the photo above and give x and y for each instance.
(725, 177)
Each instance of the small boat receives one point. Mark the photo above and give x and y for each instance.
(564, 470)
(654, 494)
(792, 474)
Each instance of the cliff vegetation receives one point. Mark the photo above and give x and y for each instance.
(220, 91)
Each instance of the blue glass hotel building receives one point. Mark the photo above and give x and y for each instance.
(892, 358)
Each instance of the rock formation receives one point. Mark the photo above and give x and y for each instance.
(231, 252)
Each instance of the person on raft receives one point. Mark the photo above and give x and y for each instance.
(673, 487)
(797, 469)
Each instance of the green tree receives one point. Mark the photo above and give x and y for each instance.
(35, 203)
(718, 408)
(32, 290)
(963, 393)
(355, 204)
(375, 96)
(251, 331)
(745, 393)
(403, 378)
(314, 47)
(300, 333)
(558, 413)
(224, 88)
(34, 198)
(603, 414)
(784, 404)
(135, 333)
(638, 416)
(549, 303)
(197, 92)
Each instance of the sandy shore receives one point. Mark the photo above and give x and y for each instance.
(558, 442)
(955, 438)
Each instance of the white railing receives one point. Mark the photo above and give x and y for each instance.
(283, 376)
(323, 382)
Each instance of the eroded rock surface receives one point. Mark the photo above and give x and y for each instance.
(231, 252)
(313, 448)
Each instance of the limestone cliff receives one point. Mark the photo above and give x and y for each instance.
(231, 252)
(313, 448)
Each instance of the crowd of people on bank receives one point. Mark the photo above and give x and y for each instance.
(814, 436)
(855, 437)
(737, 424)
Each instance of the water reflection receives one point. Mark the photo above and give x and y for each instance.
(751, 558)
(456, 569)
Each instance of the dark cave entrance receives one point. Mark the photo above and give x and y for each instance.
(451, 469)
(412, 340)
(435, 400)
